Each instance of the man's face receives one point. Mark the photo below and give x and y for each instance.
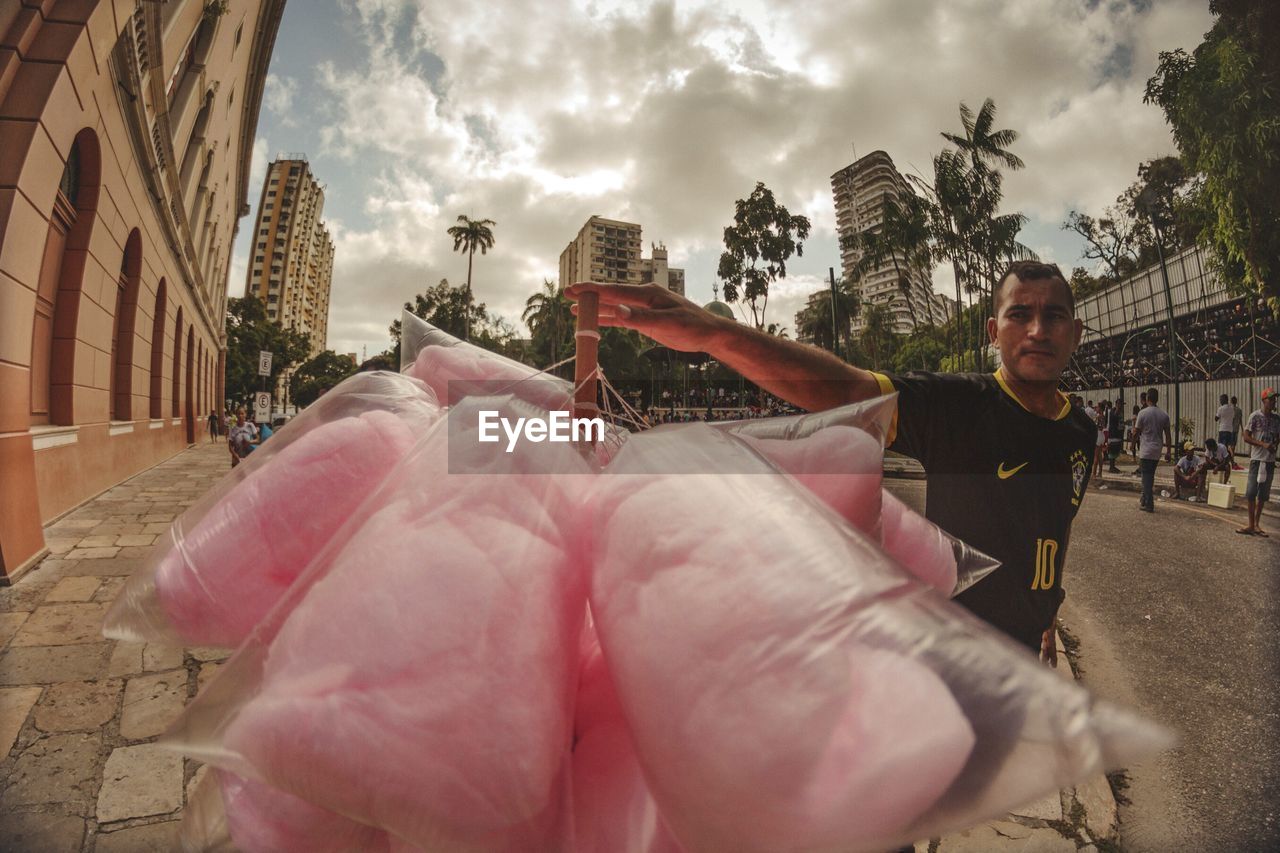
(1269, 404)
(1034, 329)
(239, 418)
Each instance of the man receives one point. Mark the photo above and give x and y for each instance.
(1115, 434)
(1006, 453)
(1226, 418)
(1152, 423)
(1217, 460)
(1262, 434)
(1236, 423)
(213, 426)
(1188, 474)
(240, 438)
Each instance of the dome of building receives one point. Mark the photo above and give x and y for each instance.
(718, 308)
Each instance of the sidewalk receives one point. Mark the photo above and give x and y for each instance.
(79, 714)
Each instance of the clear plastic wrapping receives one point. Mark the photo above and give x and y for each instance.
(420, 677)
(226, 560)
(767, 663)
(788, 686)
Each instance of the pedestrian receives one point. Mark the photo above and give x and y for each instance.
(213, 426)
(1152, 423)
(1115, 434)
(240, 438)
(1188, 473)
(1133, 431)
(1236, 424)
(1225, 418)
(1007, 454)
(1262, 434)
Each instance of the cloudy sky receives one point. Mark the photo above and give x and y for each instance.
(540, 113)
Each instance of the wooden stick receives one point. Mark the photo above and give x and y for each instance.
(587, 340)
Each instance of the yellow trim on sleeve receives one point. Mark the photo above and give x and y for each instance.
(886, 387)
(1062, 413)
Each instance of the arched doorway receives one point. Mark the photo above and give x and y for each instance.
(157, 351)
(54, 333)
(122, 328)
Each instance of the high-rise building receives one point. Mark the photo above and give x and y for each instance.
(291, 264)
(607, 250)
(126, 134)
(860, 191)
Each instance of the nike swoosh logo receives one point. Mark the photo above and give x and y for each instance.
(1004, 475)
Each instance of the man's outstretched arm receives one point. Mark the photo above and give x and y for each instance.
(800, 374)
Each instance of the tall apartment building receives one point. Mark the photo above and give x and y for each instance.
(126, 135)
(860, 191)
(608, 250)
(291, 266)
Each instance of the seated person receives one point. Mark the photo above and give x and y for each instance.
(1217, 460)
(1188, 473)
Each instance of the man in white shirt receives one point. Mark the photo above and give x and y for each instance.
(1188, 474)
(1262, 434)
(1226, 418)
(1152, 425)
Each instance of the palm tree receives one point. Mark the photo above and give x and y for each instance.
(548, 317)
(469, 235)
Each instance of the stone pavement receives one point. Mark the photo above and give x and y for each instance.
(78, 713)
(79, 771)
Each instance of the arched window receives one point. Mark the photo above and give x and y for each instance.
(189, 410)
(157, 351)
(177, 363)
(56, 318)
(122, 328)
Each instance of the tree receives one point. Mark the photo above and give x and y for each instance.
(551, 324)
(249, 332)
(923, 350)
(318, 375)
(1223, 103)
(878, 338)
(449, 308)
(764, 235)
(1113, 239)
(814, 323)
(469, 235)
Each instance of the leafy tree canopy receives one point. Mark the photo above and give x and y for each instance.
(446, 307)
(250, 332)
(318, 375)
(764, 235)
(1223, 102)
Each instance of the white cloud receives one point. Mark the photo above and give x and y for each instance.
(549, 111)
(277, 95)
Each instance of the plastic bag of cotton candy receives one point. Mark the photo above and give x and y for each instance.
(224, 562)
(782, 683)
(419, 677)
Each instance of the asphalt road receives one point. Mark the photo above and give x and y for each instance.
(1177, 617)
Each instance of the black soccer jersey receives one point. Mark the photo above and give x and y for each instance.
(1004, 480)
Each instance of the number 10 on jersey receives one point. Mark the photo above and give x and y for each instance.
(1046, 559)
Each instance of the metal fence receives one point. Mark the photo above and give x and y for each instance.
(1198, 400)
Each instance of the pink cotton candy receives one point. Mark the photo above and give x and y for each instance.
(262, 819)
(462, 369)
(614, 812)
(842, 465)
(761, 721)
(425, 684)
(918, 545)
(226, 572)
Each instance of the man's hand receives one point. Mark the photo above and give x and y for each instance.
(1049, 648)
(654, 311)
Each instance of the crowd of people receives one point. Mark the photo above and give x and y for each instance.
(1147, 433)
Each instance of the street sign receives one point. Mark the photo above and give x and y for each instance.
(262, 406)
(264, 364)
